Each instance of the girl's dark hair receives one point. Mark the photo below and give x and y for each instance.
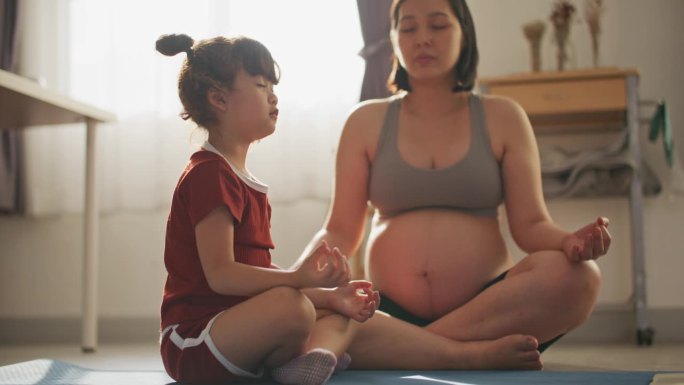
(214, 63)
(465, 70)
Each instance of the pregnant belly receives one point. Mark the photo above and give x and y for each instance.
(433, 261)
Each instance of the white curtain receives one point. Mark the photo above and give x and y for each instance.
(104, 55)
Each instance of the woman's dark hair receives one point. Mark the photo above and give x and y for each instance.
(465, 70)
(214, 63)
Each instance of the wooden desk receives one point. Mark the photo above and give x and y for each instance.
(24, 103)
(585, 101)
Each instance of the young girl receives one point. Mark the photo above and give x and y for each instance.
(227, 312)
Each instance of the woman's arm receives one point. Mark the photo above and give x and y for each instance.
(345, 223)
(530, 223)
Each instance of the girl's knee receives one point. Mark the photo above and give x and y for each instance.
(296, 312)
(292, 318)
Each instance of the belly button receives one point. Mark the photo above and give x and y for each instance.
(424, 274)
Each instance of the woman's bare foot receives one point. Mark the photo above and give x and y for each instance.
(510, 352)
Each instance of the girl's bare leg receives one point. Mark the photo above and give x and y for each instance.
(328, 341)
(333, 332)
(267, 330)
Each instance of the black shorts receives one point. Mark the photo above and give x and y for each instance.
(392, 308)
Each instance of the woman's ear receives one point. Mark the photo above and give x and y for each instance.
(217, 98)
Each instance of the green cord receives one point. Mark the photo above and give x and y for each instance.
(660, 122)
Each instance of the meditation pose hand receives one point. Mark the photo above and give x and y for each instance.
(324, 268)
(590, 242)
(356, 300)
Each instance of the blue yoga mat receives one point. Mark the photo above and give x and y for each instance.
(53, 372)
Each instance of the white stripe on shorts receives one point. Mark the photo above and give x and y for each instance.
(204, 337)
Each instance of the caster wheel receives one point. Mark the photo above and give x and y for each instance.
(645, 336)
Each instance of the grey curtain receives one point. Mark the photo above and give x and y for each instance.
(11, 174)
(377, 50)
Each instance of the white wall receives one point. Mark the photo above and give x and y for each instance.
(40, 259)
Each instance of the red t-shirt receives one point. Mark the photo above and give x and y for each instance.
(209, 182)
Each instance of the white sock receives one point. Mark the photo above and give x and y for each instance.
(313, 368)
(343, 362)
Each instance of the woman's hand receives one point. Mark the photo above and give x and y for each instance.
(589, 242)
(323, 268)
(356, 300)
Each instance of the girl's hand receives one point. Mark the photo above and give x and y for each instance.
(356, 300)
(589, 242)
(324, 268)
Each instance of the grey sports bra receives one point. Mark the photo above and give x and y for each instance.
(472, 185)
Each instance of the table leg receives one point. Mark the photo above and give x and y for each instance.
(90, 239)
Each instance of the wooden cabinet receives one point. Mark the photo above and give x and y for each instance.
(595, 99)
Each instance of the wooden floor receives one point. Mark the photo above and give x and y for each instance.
(562, 356)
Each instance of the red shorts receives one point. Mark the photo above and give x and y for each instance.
(189, 355)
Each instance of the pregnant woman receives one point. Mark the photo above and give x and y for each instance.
(436, 161)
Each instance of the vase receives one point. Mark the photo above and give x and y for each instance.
(561, 53)
(535, 56)
(534, 31)
(595, 50)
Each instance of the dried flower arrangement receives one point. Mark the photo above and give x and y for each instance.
(561, 18)
(534, 31)
(593, 9)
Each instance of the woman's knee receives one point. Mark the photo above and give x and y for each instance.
(576, 284)
(583, 279)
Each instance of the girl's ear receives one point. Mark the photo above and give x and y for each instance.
(217, 98)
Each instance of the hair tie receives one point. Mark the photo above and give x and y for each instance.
(190, 54)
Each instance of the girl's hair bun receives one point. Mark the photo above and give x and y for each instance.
(173, 44)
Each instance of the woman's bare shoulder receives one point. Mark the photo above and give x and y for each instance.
(502, 111)
(370, 108)
(501, 106)
(507, 121)
(368, 115)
